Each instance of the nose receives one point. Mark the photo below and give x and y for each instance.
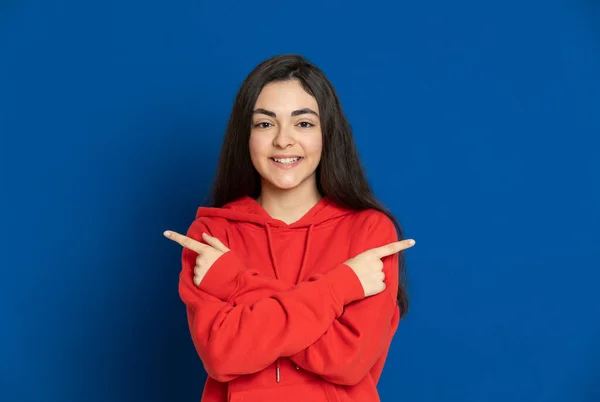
(284, 138)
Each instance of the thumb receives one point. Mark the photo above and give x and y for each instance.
(214, 242)
(393, 248)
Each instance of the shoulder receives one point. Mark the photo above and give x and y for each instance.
(373, 220)
(214, 226)
(370, 228)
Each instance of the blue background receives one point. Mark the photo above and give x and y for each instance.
(477, 123)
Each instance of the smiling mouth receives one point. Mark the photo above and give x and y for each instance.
(287, 161)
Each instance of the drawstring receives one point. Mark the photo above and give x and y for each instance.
(305, 256)
(270, 243)
(277, 276)
(274, 262)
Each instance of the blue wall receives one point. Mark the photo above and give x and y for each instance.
(478, 125)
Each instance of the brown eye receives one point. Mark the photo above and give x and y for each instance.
(305, 124)
(264, 124)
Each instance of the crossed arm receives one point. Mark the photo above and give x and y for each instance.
(241, 321)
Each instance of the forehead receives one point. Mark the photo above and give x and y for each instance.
(285, 95)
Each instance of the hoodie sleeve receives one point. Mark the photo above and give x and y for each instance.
(234, 340)
(362, 334)
(354, 342)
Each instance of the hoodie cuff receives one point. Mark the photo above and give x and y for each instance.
(221, 280)
(345, 285)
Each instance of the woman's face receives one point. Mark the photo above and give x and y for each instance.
(285, 137)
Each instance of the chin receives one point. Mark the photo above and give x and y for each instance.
(289, 183)
(285, 185)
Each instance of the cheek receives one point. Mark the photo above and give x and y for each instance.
(314, 147)
(256, 146)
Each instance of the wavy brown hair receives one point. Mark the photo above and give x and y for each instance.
(340, 174)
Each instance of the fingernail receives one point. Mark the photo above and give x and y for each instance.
(411, 242)
(167, 233)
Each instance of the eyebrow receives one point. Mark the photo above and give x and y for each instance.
(294, 113)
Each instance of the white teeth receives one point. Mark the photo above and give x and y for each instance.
(286, 160)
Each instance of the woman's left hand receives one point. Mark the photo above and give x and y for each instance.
(207, 253)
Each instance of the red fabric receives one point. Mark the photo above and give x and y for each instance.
(280, 316)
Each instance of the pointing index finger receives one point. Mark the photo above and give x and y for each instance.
(393, 248)
(185, 241)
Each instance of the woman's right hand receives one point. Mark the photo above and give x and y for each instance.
(369, 267)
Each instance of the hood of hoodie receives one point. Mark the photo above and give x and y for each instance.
(247, 209)
(297, 237)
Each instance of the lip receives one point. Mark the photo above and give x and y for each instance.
(284, 166)
(285, 156)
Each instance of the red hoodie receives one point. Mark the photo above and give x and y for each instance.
(280, 317)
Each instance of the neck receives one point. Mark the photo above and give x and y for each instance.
(288, 205)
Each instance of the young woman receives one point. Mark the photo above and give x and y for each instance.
(292, 280)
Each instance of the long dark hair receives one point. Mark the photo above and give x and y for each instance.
(340, 174)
